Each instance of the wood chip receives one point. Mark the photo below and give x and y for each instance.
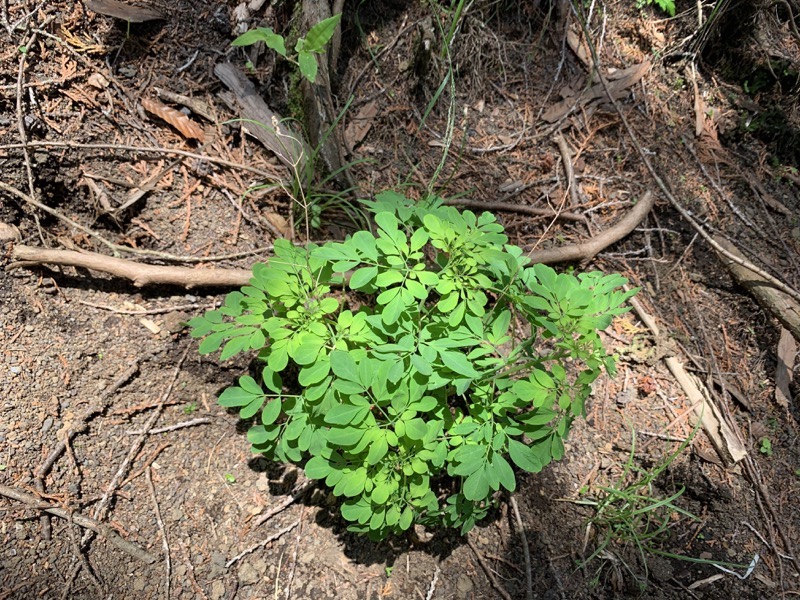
(787, 350)
(125, 11)
(359, 127)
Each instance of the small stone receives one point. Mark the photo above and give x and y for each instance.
(48, 423)
(463, 586)
(260, 565)
(175, 515)
(217, 590)
(139, 583)
(248, 575)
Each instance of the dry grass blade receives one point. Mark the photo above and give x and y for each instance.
(176, 118)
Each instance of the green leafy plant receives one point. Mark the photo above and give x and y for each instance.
(668, 6)
(305, 49)
(413, 369)
(765, 446)
(229, 478)
(190, 408)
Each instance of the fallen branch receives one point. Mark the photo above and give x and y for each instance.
(585, 251)
(142, 274)
(724, 440)
(139, 273)
(82, 520)
(777, 302)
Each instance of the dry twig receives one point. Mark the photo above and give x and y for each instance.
(82, 520)
(261, 544)
(161, 528)
(489, 573)
(525, 549)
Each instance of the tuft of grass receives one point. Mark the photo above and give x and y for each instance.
(629, 514)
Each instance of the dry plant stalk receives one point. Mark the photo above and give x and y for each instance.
(176, 118)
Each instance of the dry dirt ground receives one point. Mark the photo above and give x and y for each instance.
(193, 497)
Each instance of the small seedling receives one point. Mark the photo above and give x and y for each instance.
(389, 571)
(668, 6)
(229, 478)
(765, 446)
(313, 43)
(190, 408)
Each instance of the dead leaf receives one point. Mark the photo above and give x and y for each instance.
(358, 128)
(176, 118)
(279, 223)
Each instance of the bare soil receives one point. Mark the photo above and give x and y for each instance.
(192, 496)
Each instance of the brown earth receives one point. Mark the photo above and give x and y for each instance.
(192, 496)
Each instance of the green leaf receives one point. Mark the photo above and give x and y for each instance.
(346, 436)
(377, 450)
(308, 66)
(381, 492)
(458, 363)
(362, 277)
(393, 310)
(314, 373)
(345, 414)
(249, 384)
(235, 396)
(343, 365)
(271, 411)
(416, 429)
(524, 456)
(262, 34)
(318, 468)
(353, 483)
(421, 365)
(252, 408)
(321, 33)
(406, 518)
(476, 486)
(504, 472)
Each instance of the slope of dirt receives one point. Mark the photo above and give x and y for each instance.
(193, 496)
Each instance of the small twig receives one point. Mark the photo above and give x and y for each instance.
(432, 587)
(82, 520)
(566, 161)
(43, 469)
(150, 149)
(518, 208)
(80, 557)
(525, 549)
(586, 250)
(192, 423)
(164, 541)
(148, 461)
(489, 573)
(261, 544)
(147, 311)
(140, 274)
(285, 504)
(294, 555)
(112, 487)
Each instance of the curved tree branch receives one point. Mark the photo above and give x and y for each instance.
(142, 274)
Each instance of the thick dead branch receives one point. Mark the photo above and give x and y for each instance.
(262, 123)
(79, 519)
(587, 250)
(144, 274)
(773, 300)
(725, 441)
(139, 273)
